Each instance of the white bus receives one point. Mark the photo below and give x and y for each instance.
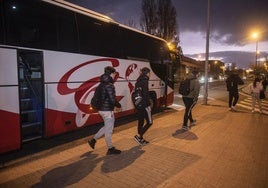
(51, 56)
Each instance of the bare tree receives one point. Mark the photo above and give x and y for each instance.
(131, 23)
(159, 18)
(166, 20)
(149, 16)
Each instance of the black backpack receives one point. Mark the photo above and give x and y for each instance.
(137, 97)
(184, 88)
(96, 99)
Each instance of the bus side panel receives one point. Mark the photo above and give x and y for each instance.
(170, 96)
(9, 131)
(8, 67)
(63, 115)
(9, 101)
(70, 82)
(60, 122)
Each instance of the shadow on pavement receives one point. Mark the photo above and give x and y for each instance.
(187, 135)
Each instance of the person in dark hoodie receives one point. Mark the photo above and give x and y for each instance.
(232, 83)
(190, 100)
(144, 112)
(106, 110)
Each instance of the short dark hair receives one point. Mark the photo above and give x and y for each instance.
(109, 70)
(195, 72)
(145, 70)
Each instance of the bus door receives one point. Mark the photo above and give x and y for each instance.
(31, 97)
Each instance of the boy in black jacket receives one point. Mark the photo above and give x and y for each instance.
(232, 83)
(143, 112)
(106, 110)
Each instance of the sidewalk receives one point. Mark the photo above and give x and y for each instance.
(224, 149)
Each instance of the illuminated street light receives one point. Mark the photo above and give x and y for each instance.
(255, 36)
(199, 57)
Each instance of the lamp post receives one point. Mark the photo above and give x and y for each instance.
(205, 100)
(255, 36)
(256, 53)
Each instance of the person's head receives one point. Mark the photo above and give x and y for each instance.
(257, 80)
(145, 71)
(195, 73)
(235, 72)
(110, 71)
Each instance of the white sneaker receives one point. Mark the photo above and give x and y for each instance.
(184, 128)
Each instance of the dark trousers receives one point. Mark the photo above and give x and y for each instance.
(189, 104)
(233, 98)
(144, 114)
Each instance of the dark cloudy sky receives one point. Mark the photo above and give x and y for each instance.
(232, 22)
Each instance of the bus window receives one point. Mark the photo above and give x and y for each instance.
(40, 25)
(1, 24)
(135, 45)
(67, 33)
(97, 37)
(30, 24)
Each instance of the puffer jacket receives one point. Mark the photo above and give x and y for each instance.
(143, 82)
(194, 87)
(108, 99)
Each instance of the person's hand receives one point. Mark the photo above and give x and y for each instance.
(116, 109)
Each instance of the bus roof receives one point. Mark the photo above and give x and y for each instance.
(96, 15)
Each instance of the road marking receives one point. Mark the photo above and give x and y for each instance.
(247, 104)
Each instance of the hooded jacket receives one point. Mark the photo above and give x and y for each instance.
(108, 98)
(194, 87)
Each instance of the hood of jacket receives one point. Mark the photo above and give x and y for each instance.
(143, 77)
(106, 78)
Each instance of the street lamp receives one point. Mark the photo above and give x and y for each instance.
(207, 54)
(255, 36)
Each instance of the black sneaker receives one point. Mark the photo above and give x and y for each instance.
(112, 151)
(138, 139)
(144, 142)
(193, 123)
(92, 143)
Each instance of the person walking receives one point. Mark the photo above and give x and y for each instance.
(106, 110)
(232, 83)
(190, 100)
(144, 111)
(255, 89)
(264, 83)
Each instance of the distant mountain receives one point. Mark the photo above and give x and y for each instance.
(240, 58)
